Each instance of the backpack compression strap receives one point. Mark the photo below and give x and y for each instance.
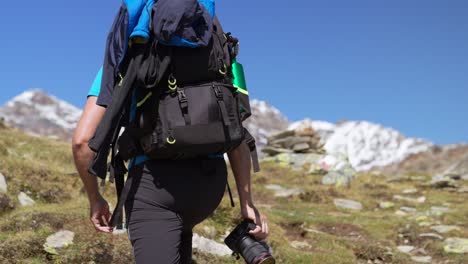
(250, 140)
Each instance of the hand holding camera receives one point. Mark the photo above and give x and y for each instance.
(243, 243)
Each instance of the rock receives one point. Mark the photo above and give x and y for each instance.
(410, 191)
(425, 223)
(301, 147)
(283, 192)
(438, 210)
(210, 231)
(421, 199)
(444, 228)
(210, 246)
(441, 182)
(25, 200)
(284, 134)
(300, 245)
(431, 235)
(400, 213)
(453, 176)
(463, 190)
(422, 259)
(417, 178)
(275, 151)
(386, 205)
(6, 204)
(3, 184)
(408, 209)
(58, 241)
(337, 178)
(405, 249)
(347, 204)
(464, 177)
(456, 245)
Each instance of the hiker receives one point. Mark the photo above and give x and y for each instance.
(164, 197)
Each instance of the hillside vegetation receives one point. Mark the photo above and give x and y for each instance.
(305, 228)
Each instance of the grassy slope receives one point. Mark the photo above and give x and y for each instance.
(44, 168)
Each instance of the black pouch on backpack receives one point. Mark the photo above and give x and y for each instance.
(195, 120)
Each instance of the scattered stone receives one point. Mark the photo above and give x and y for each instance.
(453, 176)
(58, 241)
(300, 245)
(444, 228)
(438, 210)
(337, 178)
(275, 151)
(464, 177)
(210, 246)
(422, 259)
(431, 235)
(410, 191)
(25, 200)
(456, 245)
(421, 199)
(417, 178)
(405, 249)
(283, 192)
(347, 204)
(408, 209)
(463, 190)
(3, 184)
(423, 224)
(400, 213)
(210, 231)
(6, 204)
(301, 147)
(441, 182)
(386, 205)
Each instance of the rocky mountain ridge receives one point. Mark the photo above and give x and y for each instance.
(38, 113)
(366, 145)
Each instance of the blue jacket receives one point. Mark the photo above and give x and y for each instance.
(132, 24)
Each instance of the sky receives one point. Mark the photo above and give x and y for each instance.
(399, 63)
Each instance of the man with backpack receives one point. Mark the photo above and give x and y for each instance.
(172, 184)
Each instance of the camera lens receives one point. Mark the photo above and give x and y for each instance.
(254, 252)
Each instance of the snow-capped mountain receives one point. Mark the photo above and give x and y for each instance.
(367, 145)
(38, 113)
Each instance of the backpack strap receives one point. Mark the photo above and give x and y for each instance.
(250, 140)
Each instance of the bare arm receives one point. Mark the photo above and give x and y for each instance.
(241, 167)
(83, 155)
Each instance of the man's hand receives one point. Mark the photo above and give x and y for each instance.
(261, 231)
(100, 215)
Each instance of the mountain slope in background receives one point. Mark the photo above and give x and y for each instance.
(367, 145)
(38, 113)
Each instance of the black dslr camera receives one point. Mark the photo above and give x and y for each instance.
(244, 244)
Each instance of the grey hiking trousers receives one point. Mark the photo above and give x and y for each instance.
(167, 200)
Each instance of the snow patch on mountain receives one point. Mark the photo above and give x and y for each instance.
(39, 113)
(369, 145)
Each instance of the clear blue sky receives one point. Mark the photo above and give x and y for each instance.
(400, 63)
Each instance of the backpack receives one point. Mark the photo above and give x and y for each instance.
(185, 107)
(194, 110)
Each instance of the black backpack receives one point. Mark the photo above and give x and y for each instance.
(186, 104)
(186, 107)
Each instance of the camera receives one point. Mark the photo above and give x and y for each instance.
(245, 245)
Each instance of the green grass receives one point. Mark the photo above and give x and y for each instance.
(44, 168)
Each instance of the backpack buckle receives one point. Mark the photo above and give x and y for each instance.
(218, 92)
(182, 98)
